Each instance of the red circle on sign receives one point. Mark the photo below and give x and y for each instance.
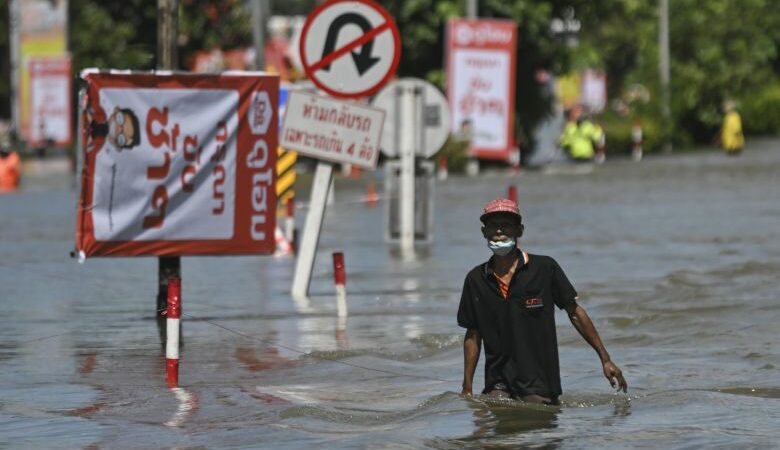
(307, 68)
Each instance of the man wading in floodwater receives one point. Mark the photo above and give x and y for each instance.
(507, 304)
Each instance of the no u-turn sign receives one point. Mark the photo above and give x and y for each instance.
(350, 48)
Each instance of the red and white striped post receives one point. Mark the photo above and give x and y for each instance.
(511, 193)
(442, 173)
(173, 314)
(289, 223)
(340, 278)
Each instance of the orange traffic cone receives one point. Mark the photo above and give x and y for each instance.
(371, 197)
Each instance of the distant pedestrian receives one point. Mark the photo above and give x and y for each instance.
(507, 305)
(10, 170)
(581, 138)
(731, 137)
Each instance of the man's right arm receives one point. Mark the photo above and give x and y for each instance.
(472, 345)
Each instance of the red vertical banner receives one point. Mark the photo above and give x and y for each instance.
(50, 101)
(178, 164)
(481, 84)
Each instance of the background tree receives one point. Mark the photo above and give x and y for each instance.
(719, 48)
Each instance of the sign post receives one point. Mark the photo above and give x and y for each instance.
(349, 49)
(334, 132)
(323, 176)
(417, 124)
(408, 134)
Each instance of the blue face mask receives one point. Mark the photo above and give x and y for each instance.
(502, 248)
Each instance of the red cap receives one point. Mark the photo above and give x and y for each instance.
(500, 205)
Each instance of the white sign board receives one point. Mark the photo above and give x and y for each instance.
(166, 175)
(594, 90)
(350, 48)
(481, 84)
(432, 116)
(332, 130)
(50, 101)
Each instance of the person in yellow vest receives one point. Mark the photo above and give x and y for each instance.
(731, 137)
(10, 169)
(581, 137)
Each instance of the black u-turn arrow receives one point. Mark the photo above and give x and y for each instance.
(363, 60)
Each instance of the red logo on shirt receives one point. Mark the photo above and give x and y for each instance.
(535, 302)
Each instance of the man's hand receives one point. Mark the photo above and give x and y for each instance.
(615, 376)
(472, 344)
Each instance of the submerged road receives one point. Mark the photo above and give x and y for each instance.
(675, 258)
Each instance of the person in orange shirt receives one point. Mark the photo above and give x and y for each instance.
(10, 170)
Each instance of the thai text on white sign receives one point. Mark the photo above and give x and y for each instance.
(178, 164)
(481, 84)
(332, 130)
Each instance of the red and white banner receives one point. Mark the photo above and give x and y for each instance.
(178, 164)
(50, 101)
(481, 83)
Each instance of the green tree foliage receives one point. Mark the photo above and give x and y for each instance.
(719, 48)
(209, 24)
(112, 34)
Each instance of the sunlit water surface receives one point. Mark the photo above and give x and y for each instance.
(675, 258)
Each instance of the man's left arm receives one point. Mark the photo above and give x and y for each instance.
(581, 321)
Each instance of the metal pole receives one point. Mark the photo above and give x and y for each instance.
(311, 230)
(14, 19)
(167, 31)
(663, 67)
(167, 59)
(260, 12)
(408, 139)
(471, 9)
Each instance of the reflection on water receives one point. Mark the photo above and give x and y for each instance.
(505, 419)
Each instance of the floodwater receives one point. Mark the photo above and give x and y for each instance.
(675, 258)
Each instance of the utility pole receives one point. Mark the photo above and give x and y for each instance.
(14, 16)
(167, 59)
(663, 67)
(261, 10)
(471, 9)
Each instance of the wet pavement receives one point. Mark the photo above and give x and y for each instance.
(675, 258)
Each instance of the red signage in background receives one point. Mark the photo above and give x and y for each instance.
(178, 165)
(481, 84)
(50, 101)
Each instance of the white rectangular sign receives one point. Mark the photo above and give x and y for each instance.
(481, 84)
(332, 130)
(50, 102)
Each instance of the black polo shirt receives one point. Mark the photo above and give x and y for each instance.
(518, 333)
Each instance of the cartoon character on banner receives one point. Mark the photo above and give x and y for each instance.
(121, 128)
